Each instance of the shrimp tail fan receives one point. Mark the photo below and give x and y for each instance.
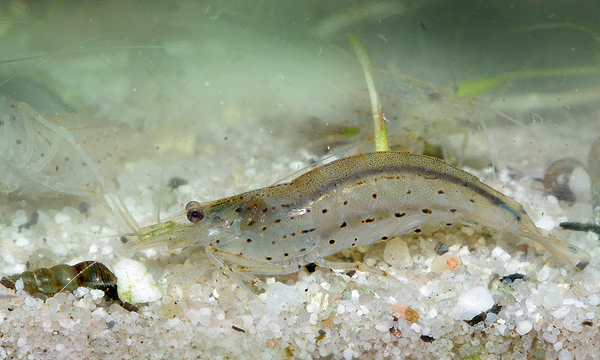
(562, 250)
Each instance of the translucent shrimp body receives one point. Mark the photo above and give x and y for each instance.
(355, 201)
(38, 149)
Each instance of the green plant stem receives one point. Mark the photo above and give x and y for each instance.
(381, 140)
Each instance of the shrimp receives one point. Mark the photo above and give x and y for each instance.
(65, 156)
(354, 201)
(59, 278)
(42, 149)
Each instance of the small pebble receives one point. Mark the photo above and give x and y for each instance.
(396, 253)
(135, 285)
(60, 218)
(473, 302)
(523, 327)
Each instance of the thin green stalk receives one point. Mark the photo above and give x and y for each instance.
(381, 140)
(482, 85)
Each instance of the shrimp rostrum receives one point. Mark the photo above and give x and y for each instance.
(354, 201)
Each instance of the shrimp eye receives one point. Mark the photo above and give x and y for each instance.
(195, 215)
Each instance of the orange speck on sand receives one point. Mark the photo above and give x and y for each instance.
(445, 262)
(453, 263)
(406, 313)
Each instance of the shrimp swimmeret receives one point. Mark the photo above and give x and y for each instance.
(354, 201)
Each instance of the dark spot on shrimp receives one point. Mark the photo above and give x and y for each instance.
(293, 234)
(331, 242)
(309, 230)
(441, 192)
(273, 242)
(238, 209)
(265, 210)
(453, 210)
(343, 224)
(324, 211)
(218, 241)
(408, 192)
(286, 205)
(269, 258)
(472, 200)
(384, 238)
(426, 211)
(264, 228)
(277, 221)
(56, 168)
(248, 241)
(369, 220)
(303, 250)
(124, 240)
(286, 254)
(399, 215)
(251, 222)
(195, 215)
(310, 268)
(345, 202)
(374, 196)
(19, 142)
(418, 230)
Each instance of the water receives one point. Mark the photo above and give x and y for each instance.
(250, 91)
